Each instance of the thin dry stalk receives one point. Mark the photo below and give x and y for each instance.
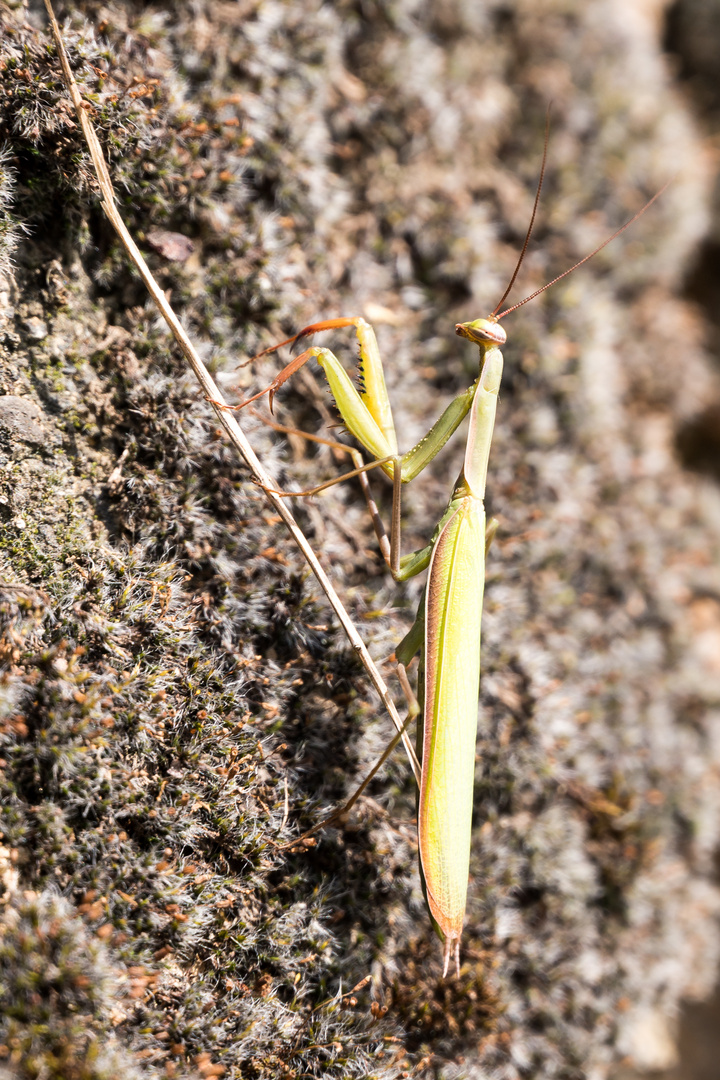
(227, 419)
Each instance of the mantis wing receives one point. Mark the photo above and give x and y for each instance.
(452, 678)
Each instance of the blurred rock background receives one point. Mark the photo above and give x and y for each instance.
(175, 699)
(691, 37)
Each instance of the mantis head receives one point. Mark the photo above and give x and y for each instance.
(482, 331)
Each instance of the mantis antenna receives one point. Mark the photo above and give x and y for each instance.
(532, 218)
(565, 273)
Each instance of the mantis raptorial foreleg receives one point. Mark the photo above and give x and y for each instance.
(367, 413)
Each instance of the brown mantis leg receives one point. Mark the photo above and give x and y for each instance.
(342, 811)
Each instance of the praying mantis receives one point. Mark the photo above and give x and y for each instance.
(446, 631)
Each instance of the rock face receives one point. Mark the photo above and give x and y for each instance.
(175, 699)
(20, 421)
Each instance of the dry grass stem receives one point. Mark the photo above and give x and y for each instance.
(212, 392)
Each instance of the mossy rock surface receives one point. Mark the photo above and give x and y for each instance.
(176, 702)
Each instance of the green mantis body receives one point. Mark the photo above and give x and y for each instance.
(447, 630)
(450, 672)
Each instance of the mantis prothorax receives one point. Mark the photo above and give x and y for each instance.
(446, 631)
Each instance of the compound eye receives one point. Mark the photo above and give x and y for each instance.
(494, 332)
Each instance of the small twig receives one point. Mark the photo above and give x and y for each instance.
(114, 480)
(225, 417)
(286, 804)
